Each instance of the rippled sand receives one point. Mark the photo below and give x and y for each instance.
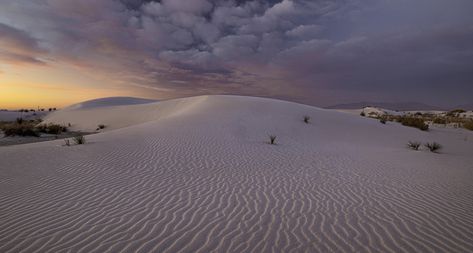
(197, 175)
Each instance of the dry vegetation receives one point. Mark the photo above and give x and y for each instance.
(23, 127)
(423, 120)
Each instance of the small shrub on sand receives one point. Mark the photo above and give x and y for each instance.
(19, 130)
(67, 142)
(442, 121)
(306, 119)
(414, 122)
(56, 129)
(468, 125)
(272, 139)
(433, 147)
(80, 139)
(52, 129)
(382, 120)
(101, 126)
(19, 121)
(362, 114)
(414, 145)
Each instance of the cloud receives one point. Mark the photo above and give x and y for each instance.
(18, 47)
(297, 49)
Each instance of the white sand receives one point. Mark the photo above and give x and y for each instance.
(197, 175)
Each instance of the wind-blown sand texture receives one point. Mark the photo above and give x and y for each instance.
(197, 175)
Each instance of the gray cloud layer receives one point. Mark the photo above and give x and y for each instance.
(18, 47)
(318, 52)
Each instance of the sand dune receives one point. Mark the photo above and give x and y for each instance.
(197, 175)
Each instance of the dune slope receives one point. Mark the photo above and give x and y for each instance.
(197, 175)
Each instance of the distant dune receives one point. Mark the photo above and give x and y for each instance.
(110, 101)
(409, 106)
(198, 175)
(468, 107)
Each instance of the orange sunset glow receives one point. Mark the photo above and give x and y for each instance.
(49, 86)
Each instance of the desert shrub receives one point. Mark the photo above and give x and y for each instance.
(414, 122)
(101, 126)
(272, 139)
(372, 114)
(440, 121)
(19, 121)
(382, 120)
(362, 114)
(433, 147)
(306, 119)
(56, 129)
(468, 125)
(67, 142)
(19, 130)
(52, 129)
(80, 139)
(413, 145)
(455, 112)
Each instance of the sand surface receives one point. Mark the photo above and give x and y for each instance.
(197, 175)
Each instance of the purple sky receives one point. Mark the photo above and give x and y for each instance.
(317, 52)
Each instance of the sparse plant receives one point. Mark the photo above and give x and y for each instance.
(19, 130)
(272, 139)
(80, 139)
(362, 114)
(19, 121)
(382, 120)
(51, 128)
(306, 119)
(468, 125)
(414, 145)
(413, 122)
(439, 120)
(433, 146)
(67, 142)
(101, 126)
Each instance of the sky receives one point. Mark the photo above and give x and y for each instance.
(319, 52)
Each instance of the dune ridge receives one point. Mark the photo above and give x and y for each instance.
(197, 175)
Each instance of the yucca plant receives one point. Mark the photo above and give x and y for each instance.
(433, 147)
(306, 119)
(80, 139)
(272, 139)
(413, 145)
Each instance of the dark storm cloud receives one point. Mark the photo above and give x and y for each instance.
(326, 50)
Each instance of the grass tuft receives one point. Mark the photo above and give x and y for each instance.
(101, 126)
(272, 139)
(433, 147)
(306, 119)
(414, 145)
(79, 140)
